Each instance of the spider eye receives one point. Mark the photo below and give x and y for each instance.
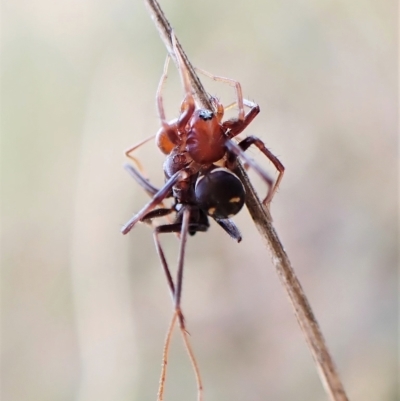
(206, 115)
(220, 193)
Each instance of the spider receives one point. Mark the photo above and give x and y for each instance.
(190, 218)
(200, 158)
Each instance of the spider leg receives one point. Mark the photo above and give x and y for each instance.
(154, 214)
(230, 106)
(167, 342)
(230, 228)
(141, 180)
(253, 140)
(151, 191)
(234, 150)
(183, 228)
(160, 105)
(156, 200)
(246, 102)
(178, 292)
(235, 127)
(128, 152)
(188, 106)
(174, 228)
(195, 366)
(181, 258)
(231, 82)
(167, 137)
(189, 350)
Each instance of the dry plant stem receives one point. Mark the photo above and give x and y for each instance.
(164, 29)
(302, 309)
(325, 365)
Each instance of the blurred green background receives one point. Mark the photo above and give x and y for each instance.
(85, 309)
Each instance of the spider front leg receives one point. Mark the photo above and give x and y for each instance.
(253, 140)
(169, 135)
(141, 180)
(128, 153)
(163, 193)
(230, 228)
(178, 291)
(234, 127)
(181, 258)
(231, 82)
(172, 228)
(183, 228)
(148, 187)
(235, 151)
(159, 100)
(188, 105)
(238, 150)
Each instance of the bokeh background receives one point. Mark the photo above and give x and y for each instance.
(85, 309)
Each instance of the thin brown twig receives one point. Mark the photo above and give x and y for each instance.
(262, 219)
